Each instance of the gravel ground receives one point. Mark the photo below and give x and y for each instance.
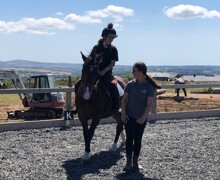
(172, 149)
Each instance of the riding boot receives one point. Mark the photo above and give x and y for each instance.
(128, 165)
(115, 98)
(136, 165)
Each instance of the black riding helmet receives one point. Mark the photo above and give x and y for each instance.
(109, 31)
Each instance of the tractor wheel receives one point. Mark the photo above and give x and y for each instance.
(51, 114)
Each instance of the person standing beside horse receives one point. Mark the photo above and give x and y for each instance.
(109, 58)
(136, 105)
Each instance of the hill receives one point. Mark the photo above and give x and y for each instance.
(29, 67)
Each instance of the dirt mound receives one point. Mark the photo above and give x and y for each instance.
(170, 103)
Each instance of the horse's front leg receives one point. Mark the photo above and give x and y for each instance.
(88, 134)
(92, 128)
(86, 154)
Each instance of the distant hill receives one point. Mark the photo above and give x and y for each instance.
(26, 66)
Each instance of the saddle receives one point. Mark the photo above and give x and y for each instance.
(114, 91)
(114, 82)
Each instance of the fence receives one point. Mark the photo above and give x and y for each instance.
(174, 86)
(69, 90)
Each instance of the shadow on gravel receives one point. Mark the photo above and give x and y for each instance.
(131, 176)
(65, 128)
(96, 165)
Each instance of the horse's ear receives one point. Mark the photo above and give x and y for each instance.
(83, 56)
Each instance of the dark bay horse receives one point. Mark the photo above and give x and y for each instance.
(93, 102)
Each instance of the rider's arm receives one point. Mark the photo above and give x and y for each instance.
(110, 66)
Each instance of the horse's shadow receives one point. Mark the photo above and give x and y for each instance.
(75, 169)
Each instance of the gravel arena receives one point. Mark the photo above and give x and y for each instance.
(172, 149)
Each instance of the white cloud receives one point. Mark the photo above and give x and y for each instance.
(189, 11)
(42, 26)
(116, 12)
(93, 17)
(48, 25)
(82, 19)
(59, 13)
(119, 27)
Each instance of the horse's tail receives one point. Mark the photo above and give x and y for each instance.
(155, 85)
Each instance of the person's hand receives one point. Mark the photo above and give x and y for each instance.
(141, 120)
(124, 117)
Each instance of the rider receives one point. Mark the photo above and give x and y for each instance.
(109, 58)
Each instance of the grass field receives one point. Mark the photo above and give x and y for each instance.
(8, 102)
(9, 99)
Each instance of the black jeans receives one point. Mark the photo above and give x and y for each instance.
(178, 92)
(134, 134)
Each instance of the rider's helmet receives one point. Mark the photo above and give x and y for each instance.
(109, 31)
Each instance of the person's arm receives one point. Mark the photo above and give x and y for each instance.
(150, 101)
(108, 68)
(124, 101)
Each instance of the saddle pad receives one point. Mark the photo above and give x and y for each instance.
(120, 90)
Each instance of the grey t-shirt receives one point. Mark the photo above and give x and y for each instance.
(137, 97)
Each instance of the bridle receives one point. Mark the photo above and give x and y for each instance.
(88, 88)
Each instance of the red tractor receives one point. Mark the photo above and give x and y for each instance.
(41, 105)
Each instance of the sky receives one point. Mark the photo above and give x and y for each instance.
(157, 32)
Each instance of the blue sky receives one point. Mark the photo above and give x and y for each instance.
(159, 32)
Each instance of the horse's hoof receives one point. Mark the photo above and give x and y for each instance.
(113, 147)
(122, 144)
(86, 156)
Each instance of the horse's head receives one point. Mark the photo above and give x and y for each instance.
(90, 74)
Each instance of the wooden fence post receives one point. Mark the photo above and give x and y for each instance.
(68, 95)
(68, 100)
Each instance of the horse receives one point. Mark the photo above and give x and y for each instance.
(93, 102)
